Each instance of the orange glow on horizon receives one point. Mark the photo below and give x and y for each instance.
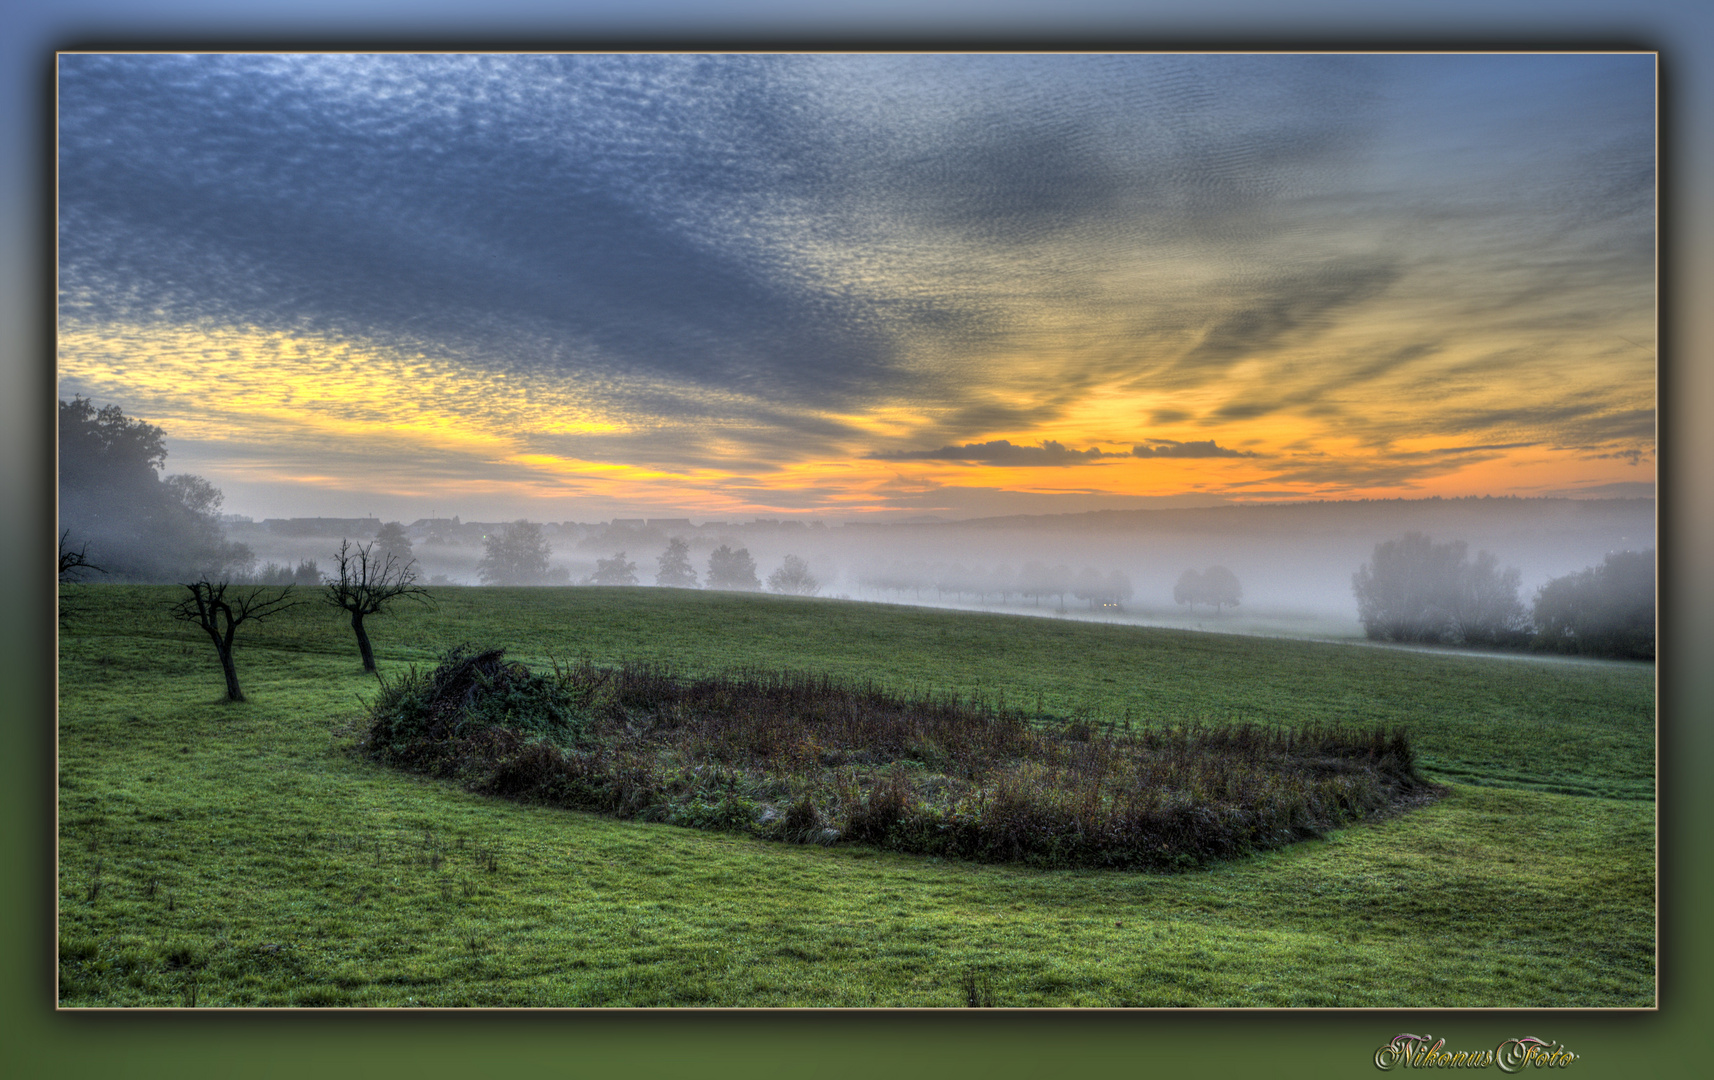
(339, 415)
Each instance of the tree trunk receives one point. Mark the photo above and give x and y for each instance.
(231, 669)
(363, 642)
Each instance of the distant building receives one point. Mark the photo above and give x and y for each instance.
(670, 523)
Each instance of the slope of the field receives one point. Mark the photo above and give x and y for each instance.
(220, 854)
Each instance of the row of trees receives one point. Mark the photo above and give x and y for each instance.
(364, 581)
(727, 569)
(1416, 590)
(1216, 586)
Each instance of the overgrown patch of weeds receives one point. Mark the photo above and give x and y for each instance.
(802, 758)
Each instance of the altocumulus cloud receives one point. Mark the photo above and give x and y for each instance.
(764, 253)
(1002, 452)
(1052, 453)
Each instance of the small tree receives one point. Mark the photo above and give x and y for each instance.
(614, 571)
(1220, 587)
(364, 583)
(675, 569)
(1188, 589)
(728, 569)
(516, 555)
(74, 563)
(794, 578)
(1035, 580)
(209, 607)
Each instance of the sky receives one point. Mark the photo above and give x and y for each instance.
(849, 286)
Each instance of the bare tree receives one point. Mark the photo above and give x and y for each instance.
(209, 607)
(365, 582)
(73, 563)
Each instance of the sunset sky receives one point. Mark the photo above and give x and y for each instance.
(846, 286)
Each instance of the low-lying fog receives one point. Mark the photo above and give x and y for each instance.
(1293, 562)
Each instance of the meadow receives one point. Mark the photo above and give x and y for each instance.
(248, 854)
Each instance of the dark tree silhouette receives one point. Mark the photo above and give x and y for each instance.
(209, 607)
(516, 555)
(365, 582)
(614, 571)
(793, 577)
(307, 573)
(74, 563)
(675, 569)
(728, 569)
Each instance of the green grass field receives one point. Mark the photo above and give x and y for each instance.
(242, 854)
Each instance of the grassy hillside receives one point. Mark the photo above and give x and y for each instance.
(216, 853)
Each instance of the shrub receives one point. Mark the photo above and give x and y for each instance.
(427, 720)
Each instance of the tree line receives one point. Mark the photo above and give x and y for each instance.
(120, 517)
(728, 569)
(1416, 590)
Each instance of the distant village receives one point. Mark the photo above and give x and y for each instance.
(453, 531)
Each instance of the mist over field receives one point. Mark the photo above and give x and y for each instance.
(1293, 561)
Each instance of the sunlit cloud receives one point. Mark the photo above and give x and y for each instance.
(1002, 452)
(857, 284)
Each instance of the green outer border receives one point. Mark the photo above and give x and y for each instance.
(36, 1041)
